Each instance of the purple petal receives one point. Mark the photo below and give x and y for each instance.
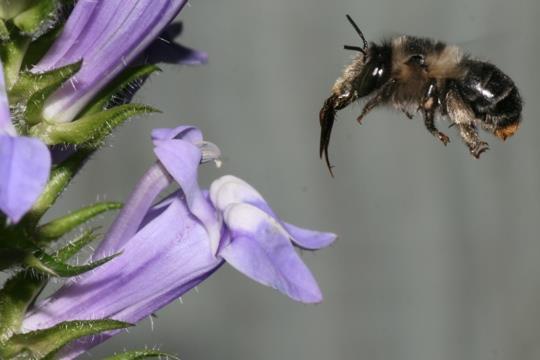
(126, 224)
(181, 159)
(6, 127)
(165, 259)
(24, 164)
(260, 249)
(107, 35)
(141, 311)
(164, 49)
(309, 239)
(229, 190)
(184, 132)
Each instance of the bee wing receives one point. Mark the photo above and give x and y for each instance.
(486, 45)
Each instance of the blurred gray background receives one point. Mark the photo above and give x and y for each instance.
(439, 253)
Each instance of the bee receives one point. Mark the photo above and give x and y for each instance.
(423, 75)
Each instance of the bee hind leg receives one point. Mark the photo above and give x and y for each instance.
(469, 134)
(461, 114)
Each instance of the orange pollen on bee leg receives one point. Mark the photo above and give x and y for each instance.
(507, 131)
(429, 103)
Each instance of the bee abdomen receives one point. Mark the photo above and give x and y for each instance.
(493, 97)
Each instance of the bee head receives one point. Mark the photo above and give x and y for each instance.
(377, 61)
(376, 70)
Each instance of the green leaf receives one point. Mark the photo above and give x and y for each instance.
(141, 354)
(16, 296)
(50, 265)
(43, 344)
(58, 227)
(90, 129)
(38, 18)
(120, 84)
(59, 179)
(72, 248)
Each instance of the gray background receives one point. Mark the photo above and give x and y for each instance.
(438, 256)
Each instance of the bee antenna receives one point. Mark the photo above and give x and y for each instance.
(355, 48)
(359, 32)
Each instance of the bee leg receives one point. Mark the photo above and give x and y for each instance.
(382, 96)
(408, 114)
(469, 134)
(429, 121)
(428, 106)
(327, 116)
(463, 117)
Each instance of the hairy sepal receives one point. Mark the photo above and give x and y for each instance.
(89, 130)
(32, 90)
(44, 344)
(50, 265)
(127, 81)
(141, 354)
(57, 228)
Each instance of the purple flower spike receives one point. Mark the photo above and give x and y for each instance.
(169, 248)
(107, 35)
(24, 165)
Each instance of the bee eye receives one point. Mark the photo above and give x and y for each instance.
(417, 59)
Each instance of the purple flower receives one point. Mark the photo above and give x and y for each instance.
(107, 35)
(169, 248)
(24, 164)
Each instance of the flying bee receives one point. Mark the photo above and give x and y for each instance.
(422, 75)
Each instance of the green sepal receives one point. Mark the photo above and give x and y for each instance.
(74, 246)
(29, 83)
(38, 18)
(58, 227)
(50, 265)
(117, 86)
(141, 354)
(12, 53)
(44, 344)
(16, 296)
(21, 290)
(34, 89)
(59, 179)
(90, 129)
